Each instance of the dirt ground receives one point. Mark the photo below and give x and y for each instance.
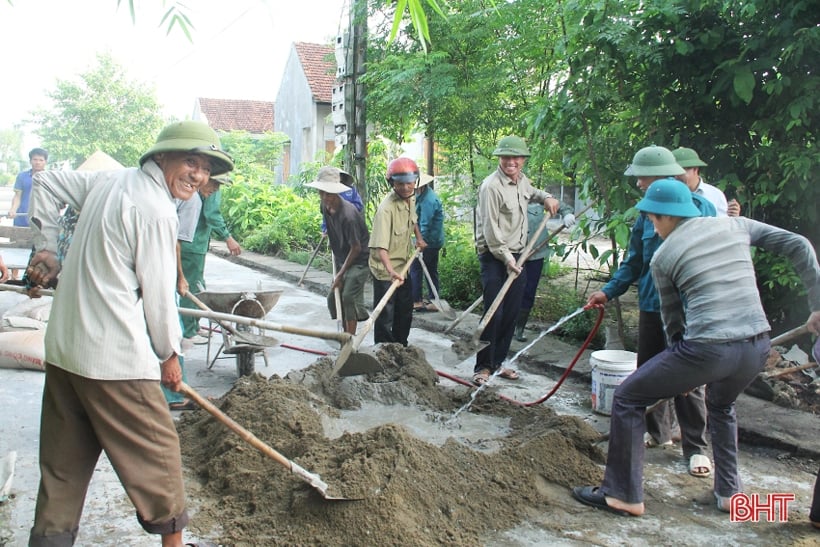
(409, 491)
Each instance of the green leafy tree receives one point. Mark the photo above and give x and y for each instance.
(102, 110)
(10, 142)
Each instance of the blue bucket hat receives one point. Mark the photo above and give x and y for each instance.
(668, 197)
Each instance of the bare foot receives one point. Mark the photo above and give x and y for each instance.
(636, 509)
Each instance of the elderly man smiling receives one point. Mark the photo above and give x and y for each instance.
(113, 319)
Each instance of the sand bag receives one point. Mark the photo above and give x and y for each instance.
(15, 322)
(23, 349)
(34, 308)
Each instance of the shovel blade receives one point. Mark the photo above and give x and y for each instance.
(461, 350)
(360, 363)
(445, 309)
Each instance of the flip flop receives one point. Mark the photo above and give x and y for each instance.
(509, 374)
(481, 377)
(593, 497)
(698, 462)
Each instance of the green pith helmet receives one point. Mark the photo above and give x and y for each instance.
(668, 197)
(686, 157)
(654, 161)
(511, 146)
(192, 136)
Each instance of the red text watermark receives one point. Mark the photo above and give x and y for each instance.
(750, 507)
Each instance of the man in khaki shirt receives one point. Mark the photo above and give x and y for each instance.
(501, 235)
(391, 246)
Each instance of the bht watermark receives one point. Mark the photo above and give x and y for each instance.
(750, 507)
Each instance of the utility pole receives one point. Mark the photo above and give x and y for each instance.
(354, 92)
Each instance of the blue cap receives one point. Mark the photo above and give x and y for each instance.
(668, 197)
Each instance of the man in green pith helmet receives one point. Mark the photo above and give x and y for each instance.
(113, 319)
(501, 236)
(710, 343)
(650, 165)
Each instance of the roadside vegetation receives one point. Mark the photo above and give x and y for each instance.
(587, 83)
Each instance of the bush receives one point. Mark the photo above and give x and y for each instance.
(554, 301)
(458, 266)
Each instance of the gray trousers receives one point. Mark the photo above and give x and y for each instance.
(690, 408)
(725, 368)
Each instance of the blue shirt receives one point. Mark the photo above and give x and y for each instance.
(23, 185)
(643, 242)
(431, 218)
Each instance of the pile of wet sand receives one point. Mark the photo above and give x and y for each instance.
(408, 491)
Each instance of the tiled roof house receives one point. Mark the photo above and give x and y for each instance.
(255, 117)
(303, 106)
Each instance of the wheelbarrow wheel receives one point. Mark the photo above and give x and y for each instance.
(245, 362)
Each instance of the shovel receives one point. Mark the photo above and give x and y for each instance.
(759, 387)
(440, 304)
(537, 248)
(239, 336)
(311, 478)
(350, 362)
(463, 349)
(342, 337)
(310, 261)
(337, 297)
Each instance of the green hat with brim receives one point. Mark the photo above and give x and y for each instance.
(654, 161)
(222, 180)
(686, 157)
(668, 197)
(194, 137)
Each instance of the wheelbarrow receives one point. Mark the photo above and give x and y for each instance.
(239, 339)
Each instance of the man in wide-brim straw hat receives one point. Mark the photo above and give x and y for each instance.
(113, 319)
(348, 236)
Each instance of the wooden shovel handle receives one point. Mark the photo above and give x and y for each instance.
(365, 328)
(246, 435)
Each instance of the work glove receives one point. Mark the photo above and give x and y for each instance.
(569, 220)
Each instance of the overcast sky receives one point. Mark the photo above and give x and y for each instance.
(239, 47)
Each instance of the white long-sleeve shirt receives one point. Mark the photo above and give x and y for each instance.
(114, 315)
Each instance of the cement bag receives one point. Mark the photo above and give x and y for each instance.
(14, 322)
(33, 308)
(23, 349)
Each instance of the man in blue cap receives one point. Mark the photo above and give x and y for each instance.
(710, 342)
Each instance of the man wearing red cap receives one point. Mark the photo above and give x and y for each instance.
(391, 246)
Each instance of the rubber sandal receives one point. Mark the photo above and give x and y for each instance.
(187, 404)
(698, 462)
(509, 374)
(593, 497)
(650, 442)
(481, 377)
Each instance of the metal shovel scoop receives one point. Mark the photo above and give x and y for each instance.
(462, 350)
(350, 362)
(311, 478)
(441, 305)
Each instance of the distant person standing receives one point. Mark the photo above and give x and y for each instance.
(691, 163)
(431, 223)
(38, 158)
(193, 251)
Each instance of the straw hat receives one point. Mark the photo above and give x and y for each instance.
(425, 179)
(328, 179)
(99, 161)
